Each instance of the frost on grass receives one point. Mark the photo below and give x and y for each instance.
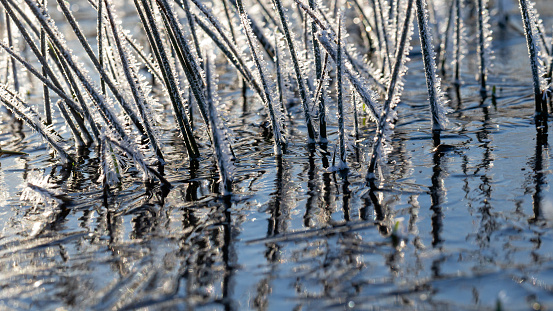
(459, 42)
(382, 146)
(433, 82)
(261, 75)
(485, 40)
(219, 136)
(541, 55)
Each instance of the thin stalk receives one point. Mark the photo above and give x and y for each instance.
(23, 16)
(385, 35)
(258, 32)
(192, 28)
(432, 81)
(233, 35)
(457, 47)
(151, 67)
(377, 32)
(319, 76)
(44, 50)
(445, 37)
(279, 78)
(10, 43)
(138, 160)
(366, 24)
(35, 72)
(222, 151)
(550, 72)
(234, 56)
(366, 94)
(319, 90)
(100, 42)
(343, 163)
(482, 45)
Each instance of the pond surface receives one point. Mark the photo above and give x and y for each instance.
(464, 227)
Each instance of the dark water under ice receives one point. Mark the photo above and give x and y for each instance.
(474, 221)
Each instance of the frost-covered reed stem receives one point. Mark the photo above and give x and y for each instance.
(365, 25)
(484, 38)
(136, 90)
(76, 135)
(297, 70)
(100, 42)
(339, 88)
(319, 76)
(44, 50)
(445, 38)
(229, 20)
(432, 80)
(53, 84)
(233, 35)
(541, 104)
(385, 35)
(457, 49)
(550, 72)
(10, 43)
(377, 26)
(258, 32)
(222, 152)
(278, 70)
(394, 89)
(321, 84)
(326, 38)
(268, 96)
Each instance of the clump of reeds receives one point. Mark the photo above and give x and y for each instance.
(119, 112)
